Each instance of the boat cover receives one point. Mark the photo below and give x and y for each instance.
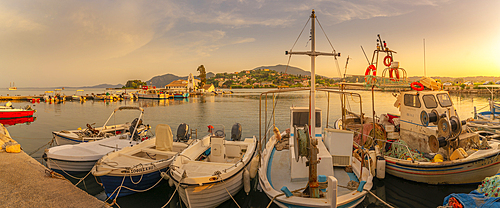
(164, 137)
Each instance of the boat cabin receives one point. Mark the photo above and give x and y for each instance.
(427, 115)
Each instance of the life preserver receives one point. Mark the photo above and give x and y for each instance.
(387, 63)
(368, 71)
(413, 86)
(396, 74)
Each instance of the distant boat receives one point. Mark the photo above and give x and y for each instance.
(181, 95)
(12, 87)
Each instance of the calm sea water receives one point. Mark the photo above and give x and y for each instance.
(199, 112)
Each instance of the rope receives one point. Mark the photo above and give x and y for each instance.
(386, 204)
(50, 143)
(272, 200)
(83, 178)
(218, 174)
(54, 174)
(63, 170)
(183, 176)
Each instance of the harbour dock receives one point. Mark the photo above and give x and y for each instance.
(25, 183)
(24, 98)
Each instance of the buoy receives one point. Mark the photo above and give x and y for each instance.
(254, 166)
(380, 167)
(246, 181)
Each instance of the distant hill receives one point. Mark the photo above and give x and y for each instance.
(283, 69)
(104, 86)
(162, 80)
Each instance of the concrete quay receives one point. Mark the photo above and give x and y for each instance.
(25, 183)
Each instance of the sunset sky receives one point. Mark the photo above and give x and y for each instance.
(83, 43)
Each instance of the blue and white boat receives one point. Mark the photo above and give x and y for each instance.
(311, 168)
(138, 168)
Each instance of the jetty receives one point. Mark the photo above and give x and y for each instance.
(26, 183)
(17, 97)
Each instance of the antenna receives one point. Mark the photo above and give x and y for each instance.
(425, 74)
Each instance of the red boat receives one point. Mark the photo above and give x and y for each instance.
(8, 112)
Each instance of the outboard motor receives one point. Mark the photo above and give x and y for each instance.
(236, 132)
(135, 122)
(182, 133)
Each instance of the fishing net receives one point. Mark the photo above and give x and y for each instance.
(490, 186)
(399, 150)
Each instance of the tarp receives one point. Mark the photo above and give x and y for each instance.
(486, 195)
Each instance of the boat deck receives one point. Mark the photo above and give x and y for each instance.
(281, 175)
(201, 169)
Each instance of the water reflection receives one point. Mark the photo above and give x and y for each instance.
(14, 121)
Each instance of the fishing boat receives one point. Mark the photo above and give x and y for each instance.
(426, 142)
(78, 96)
(74, 158)
(93, 134)
(9, 112)
(138, 167)
(212, 170)
(304, 167)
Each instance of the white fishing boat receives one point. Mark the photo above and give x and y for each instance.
(430, 124)
(81, 157)
(212, 170)
(308, 169)
(93, 134)
(426, 142)
(138, 167)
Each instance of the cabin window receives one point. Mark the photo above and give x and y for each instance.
(444, 100)
(300, 119)
(412, 100)
(430, 101)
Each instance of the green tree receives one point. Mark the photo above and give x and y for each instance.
(134, 84)
(203, 76)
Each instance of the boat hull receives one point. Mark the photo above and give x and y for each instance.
(464, 172)
(70, 166)
(15, 113)
(211, 195)
(132, 183)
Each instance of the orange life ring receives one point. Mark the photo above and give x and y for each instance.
(413, 86)
(387, 63)
(396, 74)
(368, 71)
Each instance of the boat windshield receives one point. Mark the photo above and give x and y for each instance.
(430, 101)
(300, 119)
(412, 100)
(444, 100)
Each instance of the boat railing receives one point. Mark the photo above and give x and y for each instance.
(273, 93)
(383, 140)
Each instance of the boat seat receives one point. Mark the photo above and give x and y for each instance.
(200, 168)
